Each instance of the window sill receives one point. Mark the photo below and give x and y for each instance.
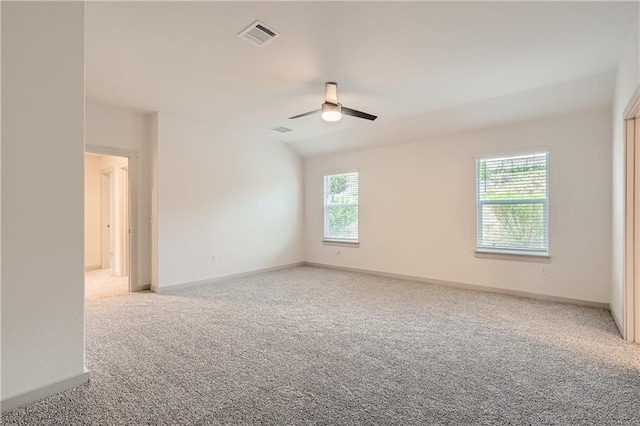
(507, 255)
(341, 243)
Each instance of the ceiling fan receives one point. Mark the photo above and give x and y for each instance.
(331, 109)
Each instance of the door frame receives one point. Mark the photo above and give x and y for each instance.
(631, 291)
(125, 231)
(132, 156)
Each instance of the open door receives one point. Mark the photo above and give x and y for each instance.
(117, 182)
(108, 223)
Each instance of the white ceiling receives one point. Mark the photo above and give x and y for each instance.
(425, 68)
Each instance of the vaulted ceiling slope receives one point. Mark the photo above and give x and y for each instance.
(425, 68)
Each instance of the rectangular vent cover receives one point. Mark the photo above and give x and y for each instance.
(259, 33)
(282, 129)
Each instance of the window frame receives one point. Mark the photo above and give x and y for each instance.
(325, 217)
(511, 253)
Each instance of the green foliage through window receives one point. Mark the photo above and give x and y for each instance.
(341, 207)
(512, 203)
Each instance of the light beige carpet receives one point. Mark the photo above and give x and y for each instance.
(102, 283)
(307, 346)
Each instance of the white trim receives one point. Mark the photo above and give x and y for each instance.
(508, 255)
(340, 243)
(168, 288)
(92, 267)
(632, 109)
(631, 333)
(109, 150)
(477, 287)
(340, 172)
(630, 266)
(631, 269)
(40, 392)
(514, 153)
(153, 168)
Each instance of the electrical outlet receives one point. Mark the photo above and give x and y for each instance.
(214, 258)
(544, 270)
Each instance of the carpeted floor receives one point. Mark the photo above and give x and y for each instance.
(315, 346)
(102, 283)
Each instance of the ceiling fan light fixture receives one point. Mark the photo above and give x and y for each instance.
(331, 112)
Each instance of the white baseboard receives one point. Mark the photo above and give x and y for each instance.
(477, 287)
(172, 287)
(44, 391)
(92, 267)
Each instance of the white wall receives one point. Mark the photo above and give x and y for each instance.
(627, 81)
(226, 195)
(92, 213)
(417, 208)
(42, 202)
(125, 128)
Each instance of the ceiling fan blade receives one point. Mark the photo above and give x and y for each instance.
(305, 114)
(359, 114)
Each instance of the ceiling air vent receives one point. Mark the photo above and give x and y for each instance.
(258, 33)
(282, 129)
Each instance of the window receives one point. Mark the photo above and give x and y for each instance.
(341, 207)
(512, 204)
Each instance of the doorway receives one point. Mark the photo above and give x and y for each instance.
(107, 225)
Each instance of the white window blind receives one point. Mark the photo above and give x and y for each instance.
(512, 203)
(341, 207)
